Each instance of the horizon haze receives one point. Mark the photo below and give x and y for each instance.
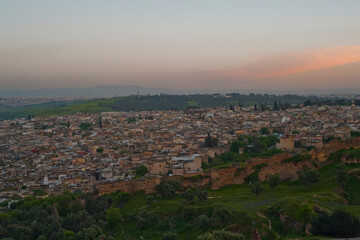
(182, 45)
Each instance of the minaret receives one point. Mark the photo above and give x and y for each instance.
(46, 180)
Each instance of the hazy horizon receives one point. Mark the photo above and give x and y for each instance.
(181, 45)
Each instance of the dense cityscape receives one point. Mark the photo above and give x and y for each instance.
(78, 151)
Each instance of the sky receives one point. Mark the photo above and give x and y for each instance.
(183, 44)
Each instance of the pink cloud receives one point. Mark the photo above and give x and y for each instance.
(291, 63)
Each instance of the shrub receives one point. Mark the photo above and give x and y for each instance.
(297, 159)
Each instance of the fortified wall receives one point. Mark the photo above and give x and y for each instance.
(214, 178)
(323, 153)
(217, 178)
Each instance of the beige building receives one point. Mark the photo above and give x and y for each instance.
(287, 143)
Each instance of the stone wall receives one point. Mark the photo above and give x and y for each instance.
(215, 178)
(323, 153)
(147, 185)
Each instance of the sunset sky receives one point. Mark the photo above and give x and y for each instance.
(183, 44)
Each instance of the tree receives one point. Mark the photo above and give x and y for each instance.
(273, 180)
(223, 215)
(145, 219)
(276, 106)
(100, 122)
(255, 108)
(256, 188)
(149, 200)
(342, 174)
(141, 171)
(202, 195)
(85, 126)
(206, 236)
(113, 216)
(188, 195)
(39, 192)
(231, 107)
(304, 213)
(265, 131)
(235, 146)
(100, 150)
(169, 188)
(309, 177)
(308, 103)
(263, 107)
(204, 222)
(210, 142)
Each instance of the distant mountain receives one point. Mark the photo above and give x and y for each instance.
(98, 91)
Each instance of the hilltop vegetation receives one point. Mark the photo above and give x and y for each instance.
(156, 102)
(282, 210)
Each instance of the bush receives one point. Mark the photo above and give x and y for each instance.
(141, 171)
(188, 195)
(256, 188)
(223, 215)
(145, 219)
(169, 188)
(85, 126)
(189, 213)
(39, 192)
(297, 159)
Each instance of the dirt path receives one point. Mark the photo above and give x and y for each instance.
(262, 216)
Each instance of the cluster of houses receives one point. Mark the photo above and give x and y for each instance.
(75, 152)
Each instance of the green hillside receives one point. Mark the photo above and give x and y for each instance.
(228, 213)
(139, 103)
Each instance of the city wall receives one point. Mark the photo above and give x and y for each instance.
(323, 153)
(217, 178)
